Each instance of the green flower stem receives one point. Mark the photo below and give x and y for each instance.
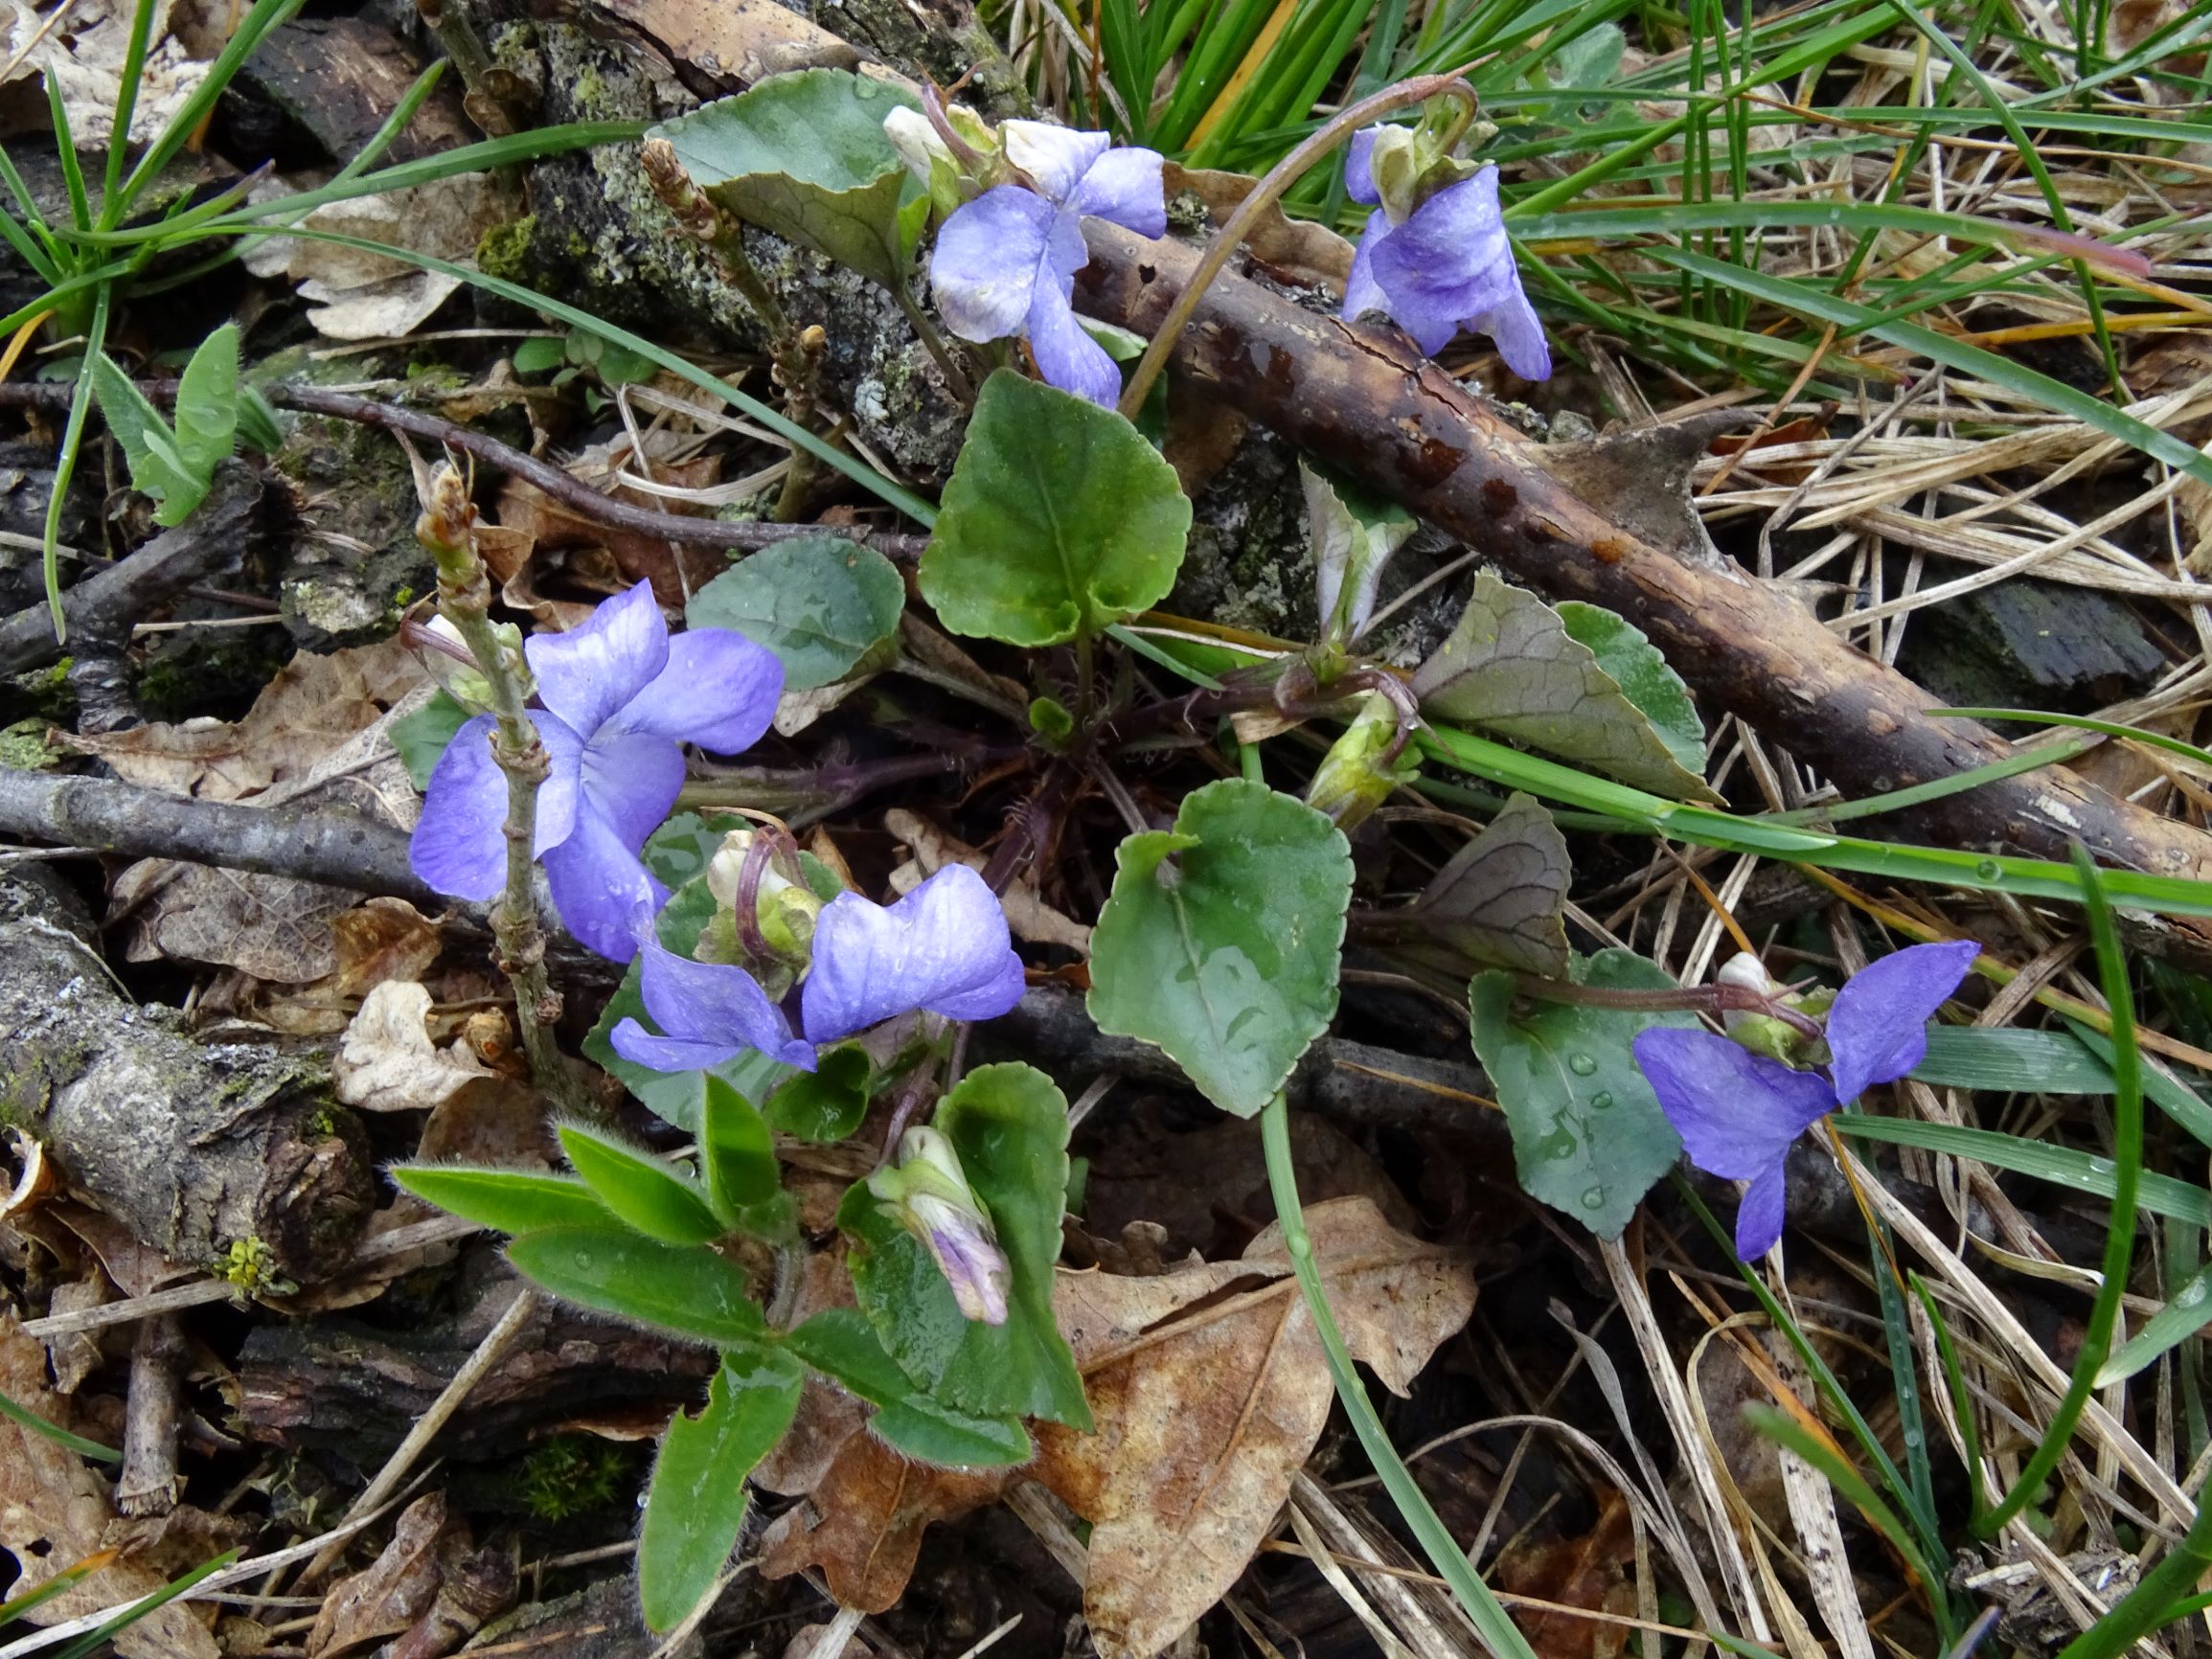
(446, 531)
(1499, 1632)
(1264, 196)
(2120, 1239)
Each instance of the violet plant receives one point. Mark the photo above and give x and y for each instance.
(1739, 1110)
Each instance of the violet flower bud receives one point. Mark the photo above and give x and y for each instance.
(926, 1192)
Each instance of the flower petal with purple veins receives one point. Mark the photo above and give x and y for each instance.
(1359, 171)
(1759, 1214)
(658, 1053)
(1123, 185)
(1736, 1111)
(632, 779)
(967, 1253)
(718, 691)
(1878, 1028)
(713, 1004)
(989, 256)
(1055, 157)
(1513, 327)
(606, 895)
(1067, 356)
(458, 845)
(587, 674)
(944, 947)
(1451, 257)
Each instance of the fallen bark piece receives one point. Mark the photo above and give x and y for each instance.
(1609, 523)
(196, 1149)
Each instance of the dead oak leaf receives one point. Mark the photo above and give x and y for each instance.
(386, 1061)
(1591, 1571)
(862, 1523)
(1208, 1410)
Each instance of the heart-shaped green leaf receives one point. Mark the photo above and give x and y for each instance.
(687, 1290)
(1009, 1125)
(1635, 664)
(1502, 900)
(820, 602)
(1588, 1136)
(422, 736)
(826, 1104)
(841, 1344)
(696, 1502)
(1512, 667)
(643, 1190)
(805, 155)
(508, 1201)
(1220, 942)
(1059, 519)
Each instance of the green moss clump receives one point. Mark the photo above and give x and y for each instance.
(504, 250)
(572, 1475)
(24, 748)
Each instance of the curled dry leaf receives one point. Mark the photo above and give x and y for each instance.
(1591, 1571)
(55, 1510)
(397, 1589)
(386, 1061)
(1207, 1406)
(1029, 917)
(357, 295)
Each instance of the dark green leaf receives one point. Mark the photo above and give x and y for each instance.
(207, 407)
(828, 1102)
(1502, 900)
(696, 1501)
(681, 848)
(1220, 942)
(1351, 537)
(1634, 665)
(642, 1189)
(1059, 519)
(505, 1200)
(820, 602)
(422, 736)
(687, 1290)
(1512, 667)
(842, 1345)
(1588, 1137)
(736, 1152)
(805, 155)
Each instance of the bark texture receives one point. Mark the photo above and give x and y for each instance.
(1606, 522)
(193, 1146)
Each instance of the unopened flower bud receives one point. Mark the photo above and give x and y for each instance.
(926, 1192)
(447, 656)
(783, 910)
(927, 157)
(1397, 166)
(1362, 766)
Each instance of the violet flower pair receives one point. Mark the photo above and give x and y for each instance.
(619, 698)
(942, 949)
(1739, 1112)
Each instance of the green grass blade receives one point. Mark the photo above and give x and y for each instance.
(2108, 728)
(1961, 1397)
(1935, 788)
(1491, 1623)
(139, 1609)
(65, 463)
(72, 167)
(2078, 1171)
(111, 199)
(2187, 1311)
(252, 29)
(15, 1412)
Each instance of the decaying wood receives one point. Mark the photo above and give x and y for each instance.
(102, 606)
(194, 1147)
(342, 848)
(353, 1390)
(1608, 523)
(147, 1483)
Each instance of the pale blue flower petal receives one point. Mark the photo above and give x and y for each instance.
(944, 947)
(458, 845)
(1068, 358)
(605, 894)
(711, 1007)
(1362, 293)
(1056, 157)
(1360, 169)
(631, 781)
(1736, 1111)
(718, 691)
(990, 258)
(588, 674)
(1877, 1029)
(1123, 185)
(1759, 1214)
(1514, 329)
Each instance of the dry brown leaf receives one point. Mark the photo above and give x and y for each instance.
(1205, 1418)
(1207, 1406)
(1591, 1571)
(55, 1511)
(273, 927)
(395, 1590)
(744, 41)
(1298, 250)
(357, 295)
(1029, 917)
(386, 1061)
(85, 51)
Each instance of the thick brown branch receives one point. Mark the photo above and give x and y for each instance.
(1589, 523)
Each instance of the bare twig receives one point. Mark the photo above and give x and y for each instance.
(147, 1483)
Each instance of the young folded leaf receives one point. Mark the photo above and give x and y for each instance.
(643, 1190)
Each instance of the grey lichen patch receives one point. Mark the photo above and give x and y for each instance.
(1249, 564)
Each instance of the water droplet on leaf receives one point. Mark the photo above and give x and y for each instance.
(1581, 1065)
(1601, 1100)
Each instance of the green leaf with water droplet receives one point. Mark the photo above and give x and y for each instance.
(696, 1502)
(644, 1190)
(1588, 1136)
(826, 1104)
(687, 1290)
(1221, 941)
(805, 155)
(820, 602)
(1059, 520)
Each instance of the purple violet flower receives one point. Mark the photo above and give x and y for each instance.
(1448, 265)
(620, 700)
(1006, 262)
(942, 949)
(1739, 1112)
